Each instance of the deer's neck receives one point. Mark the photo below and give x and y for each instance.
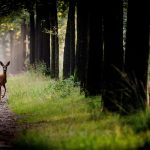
(5, 75)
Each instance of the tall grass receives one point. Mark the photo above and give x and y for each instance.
(54, 115)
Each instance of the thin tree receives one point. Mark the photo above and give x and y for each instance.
(32, 36)
(12, 38)
(22, 51)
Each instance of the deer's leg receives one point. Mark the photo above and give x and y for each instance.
(0, 92)
(4, 90)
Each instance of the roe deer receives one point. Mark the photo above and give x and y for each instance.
(3, 77)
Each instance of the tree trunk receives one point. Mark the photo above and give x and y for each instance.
(137, 53)
(95, 52)
(38, 40)
(32, 38)
(82, 42)
(12, 66)
(69, 50)
(113, 55)
(54, 40)
(23, 44)
(4, 45)
(43, 33)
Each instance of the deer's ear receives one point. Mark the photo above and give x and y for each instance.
(8, 63)
(1, 63)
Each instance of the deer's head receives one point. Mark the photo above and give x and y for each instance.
(5, 66)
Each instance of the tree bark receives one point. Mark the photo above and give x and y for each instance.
(54, 40)
(113, 55)
(32, 38)
(43, 33)
(12, 65)
(82, 42)
(137, 53)
(95, 51)
(38, 41)
(69, 49)
(23, 44)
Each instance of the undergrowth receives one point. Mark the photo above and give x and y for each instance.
(54, 115)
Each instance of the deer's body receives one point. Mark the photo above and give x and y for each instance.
(3, 78)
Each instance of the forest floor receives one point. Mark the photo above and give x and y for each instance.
(7, 125)
(55, 115)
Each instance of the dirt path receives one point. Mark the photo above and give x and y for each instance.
(7, 125)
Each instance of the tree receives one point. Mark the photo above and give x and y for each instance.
(43, 33)
(54, 40)
(137, 52)
(32, 35)
(12, 38)
(93, 84)
(113, 54)
(23, 44)
(69, 49)
(82, 42)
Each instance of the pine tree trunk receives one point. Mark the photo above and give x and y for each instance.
(46, 39)
(43, 33)
(113, 55)
(69, 49)
(82, 42)
(137, 53)
(38, 40)
(32, 38)
(12, 66)
(54, 40)
(23, 44)
(95, 53)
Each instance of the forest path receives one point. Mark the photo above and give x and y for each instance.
(7, 125)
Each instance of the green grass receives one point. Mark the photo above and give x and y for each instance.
(55, 116)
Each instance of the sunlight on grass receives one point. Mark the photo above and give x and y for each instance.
(57, 116)
(39, 97)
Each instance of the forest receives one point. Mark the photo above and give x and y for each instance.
(74, 75)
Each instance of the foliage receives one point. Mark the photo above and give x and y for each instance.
(39, 68)
(7, 7)
(133, 94)
(63, 88)
(13, 21)
(54, 115)
(141, 121)
(62, 6)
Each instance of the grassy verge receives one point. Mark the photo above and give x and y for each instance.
(57, 116)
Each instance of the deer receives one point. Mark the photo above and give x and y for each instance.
(3, 77)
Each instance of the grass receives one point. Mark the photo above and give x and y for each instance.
(54, 115)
